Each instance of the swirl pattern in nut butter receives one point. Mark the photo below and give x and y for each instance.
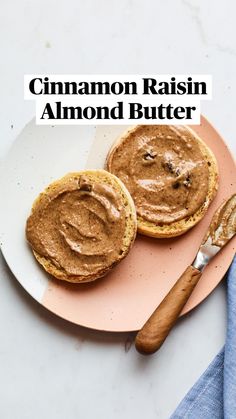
(79, 225)
(164, 170)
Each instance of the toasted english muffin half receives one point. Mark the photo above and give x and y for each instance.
(82, 225)
(166, 148)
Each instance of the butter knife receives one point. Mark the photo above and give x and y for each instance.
(222, 228)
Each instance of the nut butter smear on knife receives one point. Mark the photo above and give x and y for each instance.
(222, 228)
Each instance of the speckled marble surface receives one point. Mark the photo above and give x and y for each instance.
(50, 368)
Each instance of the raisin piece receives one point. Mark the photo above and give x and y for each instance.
(84, 185)
(149, 155)
(187, 181)
(170, 167)
(176, 185)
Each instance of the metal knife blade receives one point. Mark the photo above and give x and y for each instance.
(222, 229)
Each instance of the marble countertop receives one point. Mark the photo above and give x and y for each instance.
(51, 368)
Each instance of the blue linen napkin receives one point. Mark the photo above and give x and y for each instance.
(214, 394)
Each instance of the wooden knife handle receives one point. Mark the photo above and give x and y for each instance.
(152, 335)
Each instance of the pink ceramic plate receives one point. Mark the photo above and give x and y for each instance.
(125, 298)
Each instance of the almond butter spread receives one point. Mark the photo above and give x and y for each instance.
(223, 225)
(79, 225)
(164, 170)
